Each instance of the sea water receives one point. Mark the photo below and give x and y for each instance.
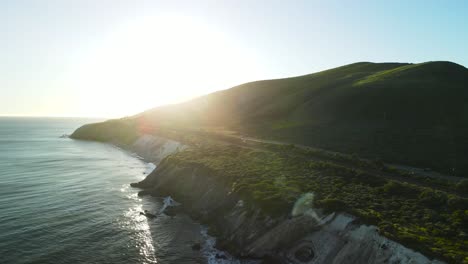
(69, 201)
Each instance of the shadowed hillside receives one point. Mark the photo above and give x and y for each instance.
(415, 114)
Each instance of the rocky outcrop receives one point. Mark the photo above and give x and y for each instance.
(341, 239)
(246, 231)
(124, 134)
(153, 148)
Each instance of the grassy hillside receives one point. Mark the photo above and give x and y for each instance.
(415, 114)
(119, 132)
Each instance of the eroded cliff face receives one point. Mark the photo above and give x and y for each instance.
(245, 230)
(153, 148)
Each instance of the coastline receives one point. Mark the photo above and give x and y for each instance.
(153, 150)
(243, 230)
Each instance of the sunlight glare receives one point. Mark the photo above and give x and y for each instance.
(159, 60)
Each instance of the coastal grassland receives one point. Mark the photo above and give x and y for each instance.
(431, 221)
(117, 131)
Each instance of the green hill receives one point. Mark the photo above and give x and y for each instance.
(415, 114)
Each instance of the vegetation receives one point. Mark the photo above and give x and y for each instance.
(431, 221)
(120, 132)
(462, 186)
(377, 166)
(414, 114)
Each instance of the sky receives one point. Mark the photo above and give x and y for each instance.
(111, 58)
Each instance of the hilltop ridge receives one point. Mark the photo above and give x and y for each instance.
(414, 114)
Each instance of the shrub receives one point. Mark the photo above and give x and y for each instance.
(433, 198)
(397, 188)
(462, 186)
(331, 205)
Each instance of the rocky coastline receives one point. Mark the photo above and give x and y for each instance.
(243, 229)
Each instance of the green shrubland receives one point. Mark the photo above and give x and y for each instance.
(431, 221)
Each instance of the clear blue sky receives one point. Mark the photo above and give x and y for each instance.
(113, 58)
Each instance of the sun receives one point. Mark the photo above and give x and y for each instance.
(159, 60)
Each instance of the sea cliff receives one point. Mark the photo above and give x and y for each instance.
(245, 230)
(280, 225)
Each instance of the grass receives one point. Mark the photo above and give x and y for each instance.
(414, 114)
(120, 132)
(382, 75)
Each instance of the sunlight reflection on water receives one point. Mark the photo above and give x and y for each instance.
(139, 223)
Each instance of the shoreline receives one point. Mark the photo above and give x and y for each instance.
(248, 230)
(277, 239)
(144, 149)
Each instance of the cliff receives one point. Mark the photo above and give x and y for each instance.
(245, 230)
(282, 206)
(153, 148)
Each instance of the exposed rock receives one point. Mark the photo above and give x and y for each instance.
(304, 254)
(142, 193)
(172, 211)
(282, 236)
(148, 214)
(154, 149)
(245, 231)
(272, 260)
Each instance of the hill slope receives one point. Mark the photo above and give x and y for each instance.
(415, 114)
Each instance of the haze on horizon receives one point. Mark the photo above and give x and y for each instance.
(115, 58)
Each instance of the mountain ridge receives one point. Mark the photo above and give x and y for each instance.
(414, 114)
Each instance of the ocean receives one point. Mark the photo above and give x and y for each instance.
(70, 201)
